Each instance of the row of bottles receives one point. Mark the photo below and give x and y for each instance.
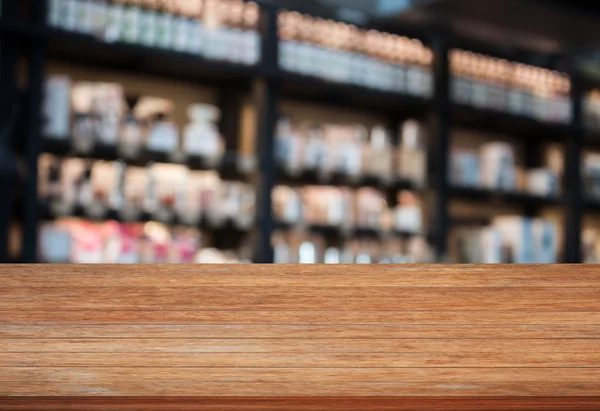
(343, 53)
(216, 29)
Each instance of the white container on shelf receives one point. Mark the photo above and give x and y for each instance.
(408, 218)
(164, 30)
(251, 46)
(517, 234)
(465, 168)
(415, 78)
(498, 166)
(68, 16)
(542, 182)
(491, 246)
(148, 27)
(83, 16)
(56, 107)
(131, 24)
(460, 90)
(114, 23)
(480, 93)
(545, 241)
(180, 33)
(201, 136)
(399, 77)
(195, 30)
(286, 55)
(516, 101)
(54, 14)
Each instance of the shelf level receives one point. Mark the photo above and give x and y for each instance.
(85, 48)
(494, 197)
(338, 232)
(313, 89)
(312, 177)
(506, 123)
(227, 226)
(229, 167)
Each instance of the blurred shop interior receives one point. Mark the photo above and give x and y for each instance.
(288, 131)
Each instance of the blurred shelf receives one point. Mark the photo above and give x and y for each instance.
(592, 139)
(330, 231)
(494, 197)
(312, 177)
(87, 49)
(19, 29)
(227, 226)
(308, 88)
(592, 205)
(229, 166)
(506, 123)
(463, 222)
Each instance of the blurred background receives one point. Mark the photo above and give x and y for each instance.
(288, 131)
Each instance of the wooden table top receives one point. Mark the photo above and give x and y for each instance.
(277, 337)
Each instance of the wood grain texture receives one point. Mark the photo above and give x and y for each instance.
(300, 337)
(300, 403)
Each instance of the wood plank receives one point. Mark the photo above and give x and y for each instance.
(403, 275)
(305, 403)
(300, 317)
(296, 298)
(310, 374)
(354, 331)
(300, 381)
(315, 359)
(299, 346)
(326, 331)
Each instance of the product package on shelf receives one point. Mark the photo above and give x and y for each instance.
(217, 29)
(287, 205)
(288, 146)
(590, 248)
(408, 216)
(465, 167)
(162, 133)
(201, 136)
(371, 209)
(591, 175)
(343, 53)
(379, 159)
(351, 142)
(498, 166)
(481, 246)
(530, 240)
(497, 84)
(56, 108)
(412, 155)
(543, 182)
(134, 195)
(591, 107)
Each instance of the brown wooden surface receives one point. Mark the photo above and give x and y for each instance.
(300, 337)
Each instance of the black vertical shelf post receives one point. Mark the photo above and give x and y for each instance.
(440, 133)
(8, 104)
(266, 95)
(574, 206)
(230, 104)
(35, 80)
